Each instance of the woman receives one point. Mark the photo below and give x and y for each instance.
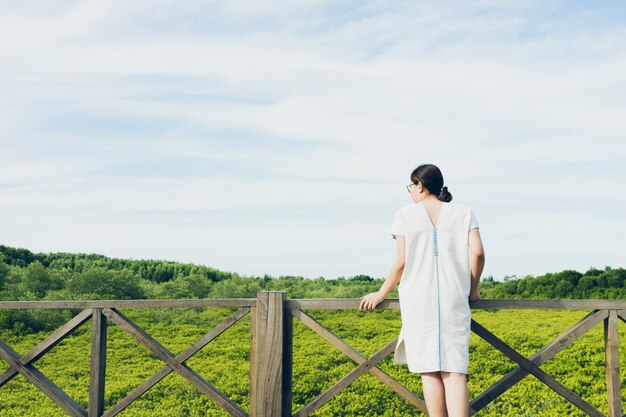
(439, 261)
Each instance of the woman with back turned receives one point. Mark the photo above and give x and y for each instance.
(439, 261)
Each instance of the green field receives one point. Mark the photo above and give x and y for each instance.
(317, 365)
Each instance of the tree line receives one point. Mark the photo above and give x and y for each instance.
(25, 275)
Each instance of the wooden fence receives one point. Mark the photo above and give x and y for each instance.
(271, 330)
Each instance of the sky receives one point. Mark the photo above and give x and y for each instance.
(277, 137)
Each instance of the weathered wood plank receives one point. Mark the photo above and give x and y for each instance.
(269, 382)
(48, 343)
(97, 366)
(532, 368)
(542, 356)
(168, 303)
(38, 379)
(359, 358)
(613, 380)
(287, 363)
(166, 356)
(182, 357)
(393, 304)
(253, 364)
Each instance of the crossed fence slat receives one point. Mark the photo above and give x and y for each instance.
(180, 358)
(172, 362)
(42, 382)
(542, 356)
(48, 343)
(526, 366)
(364, 365)
(534, 369)
(274, 338)
(24, 364)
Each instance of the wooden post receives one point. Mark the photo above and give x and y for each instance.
(269, 381)
(611, 350)
(98, 363)
(253, 361)
(287, 363)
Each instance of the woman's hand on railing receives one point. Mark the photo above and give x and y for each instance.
(474, 295)
(371, 300)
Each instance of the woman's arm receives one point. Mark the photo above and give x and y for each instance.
(371, 300)
(477, 261)
(396, 269)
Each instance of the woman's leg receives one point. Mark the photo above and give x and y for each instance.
(455, 388)
(434, 394)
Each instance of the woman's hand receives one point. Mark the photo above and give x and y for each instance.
(371, 300)
(474, 295)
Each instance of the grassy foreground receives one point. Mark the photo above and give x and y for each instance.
(317, 365)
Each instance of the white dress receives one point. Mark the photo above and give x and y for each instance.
(434, 288)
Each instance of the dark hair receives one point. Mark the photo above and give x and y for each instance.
(430, 176)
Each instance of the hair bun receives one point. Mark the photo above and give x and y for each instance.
(445, 195)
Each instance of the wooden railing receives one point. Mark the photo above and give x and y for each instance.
(271, 333)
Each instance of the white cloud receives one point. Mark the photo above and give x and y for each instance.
(279, 138)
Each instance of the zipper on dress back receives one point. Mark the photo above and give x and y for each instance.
(436, 257)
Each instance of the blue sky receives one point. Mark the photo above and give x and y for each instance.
(277, 137)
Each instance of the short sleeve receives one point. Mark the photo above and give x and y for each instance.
(398, 227)
(473, 223)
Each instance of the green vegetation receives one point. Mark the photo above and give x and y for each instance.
(317, 365)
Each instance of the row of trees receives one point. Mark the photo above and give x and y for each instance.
(594, 283)
(62, 276)
(152, 270)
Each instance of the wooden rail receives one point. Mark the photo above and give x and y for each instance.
(271, 334)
